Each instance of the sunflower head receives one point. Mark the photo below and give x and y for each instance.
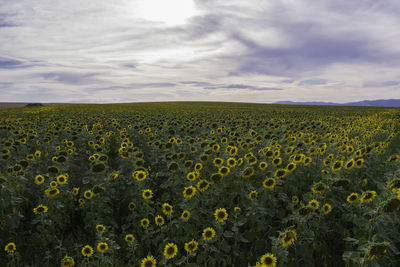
(10, 247)
(269, 183)
(268, 260)
(167, 209)
(102, 247)
(327, 208)
(100, 228)
(185, 215)
(253, 194)
(170, 250)
(208, 233)
(87, 251)
(144, 223)
(191, 246)
(221, 215)
(129, 238)
(159, 220)
(149, 261)
(67, 262)
(353, 197)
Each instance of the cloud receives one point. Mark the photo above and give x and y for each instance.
(313, 82)
(280, 50)
(70, 77)
(242, 86)
(373, 84)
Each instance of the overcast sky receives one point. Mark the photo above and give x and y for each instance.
(213, 50)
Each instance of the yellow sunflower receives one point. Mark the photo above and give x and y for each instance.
(87, 251)
(208, 233)
(191, 246)
(170, 250)
(268, 260)
(221, 215)
(149, 261)
(167, 209)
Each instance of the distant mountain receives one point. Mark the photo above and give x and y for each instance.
(367, 103)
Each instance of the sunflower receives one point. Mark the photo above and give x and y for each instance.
(129, 238)
(191, 176)
(314, 204)
(75, 191)
(337, 165)
(38, 153)
(269, 183)
(100, 228)
(263, 165)
(327, 208)
(349, 164)
(203, 185)
(237, 210)
(147, 194)
(191, 246)
(208, 233)
(189, 191)
(368, 196)
(231, 162)
(167, 208)
(185, 215)
(87, 251)
(394, 158)
(159, 220)
(288, 238)
(88, 194)
(268, 260)
(377, 249)
(353, 197)
(170, 250)
(307, 161)
(253, 194)
(224, 170)
(114, 175)
(218, 162)
(149, 261)
(291, 167)
(41, 209)
(102, 247)
(62, 179)
(221, 215)
(319, 188)
(144, 223)
(280, 173)
(10, 247)
(295, 200)
(277, 161)
(364, 182)
(359, 163)
(248, 172)
(139, 175)
(39, 179)
(53, 184)
(67, 262)
(51, 192)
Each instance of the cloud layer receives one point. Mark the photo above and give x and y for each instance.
(257, 51)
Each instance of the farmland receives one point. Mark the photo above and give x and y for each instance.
(199, 184)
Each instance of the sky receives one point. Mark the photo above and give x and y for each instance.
(109, 51)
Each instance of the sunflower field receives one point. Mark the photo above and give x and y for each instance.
(199, 184)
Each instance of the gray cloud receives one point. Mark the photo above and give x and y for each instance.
(242, 86)
(313, 82)
(226, 49)
(70, 77)
(371, 84)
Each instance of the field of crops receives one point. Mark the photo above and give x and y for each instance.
(199, 184)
